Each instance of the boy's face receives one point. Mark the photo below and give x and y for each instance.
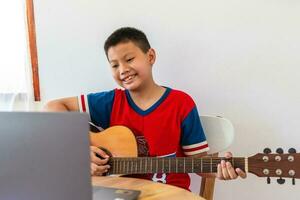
(131, 67)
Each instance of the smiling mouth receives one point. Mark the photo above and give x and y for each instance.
(128, 78)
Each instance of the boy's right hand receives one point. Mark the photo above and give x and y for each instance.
(98, 166)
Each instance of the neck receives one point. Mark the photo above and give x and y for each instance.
(142, 165)
(146, 96)
(146, 91)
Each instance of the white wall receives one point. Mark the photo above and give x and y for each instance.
(238, 59)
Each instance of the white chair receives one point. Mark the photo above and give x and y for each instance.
(219, 134)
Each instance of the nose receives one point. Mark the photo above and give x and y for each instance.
(124, 69)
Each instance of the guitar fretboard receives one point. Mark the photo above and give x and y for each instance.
(144, 165)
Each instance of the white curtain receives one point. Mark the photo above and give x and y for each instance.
(16, 91)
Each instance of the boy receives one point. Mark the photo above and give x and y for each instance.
(164, 120)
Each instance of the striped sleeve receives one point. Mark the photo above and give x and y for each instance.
(83, 103)
(99, 106)
(193, 140)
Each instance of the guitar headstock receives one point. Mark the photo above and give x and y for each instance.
(279, 164)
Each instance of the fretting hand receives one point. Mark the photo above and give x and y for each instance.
(227, 172)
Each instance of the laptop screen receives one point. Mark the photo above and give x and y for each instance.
(44, 156)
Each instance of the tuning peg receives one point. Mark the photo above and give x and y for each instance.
(268, 180)
(267, 150)
(279, 150)
(280, 181)
(292, 150)
(293, 181)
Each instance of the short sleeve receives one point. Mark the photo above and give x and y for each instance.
(99, 106)
(193, 140)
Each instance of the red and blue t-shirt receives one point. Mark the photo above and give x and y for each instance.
(170, 127)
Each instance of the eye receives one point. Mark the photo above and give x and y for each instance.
(115, 66)
(130, 59)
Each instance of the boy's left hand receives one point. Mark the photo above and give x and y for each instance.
(227, 172)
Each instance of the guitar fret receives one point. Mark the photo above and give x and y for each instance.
(136, 169)
(184, 164)
(211, 165)
(163, 162)
(151, 166)
(111, 170)
(124, 166)
(118, 167)
(127, 166)
(201, 164)
(156, 165)
(114, 166)
(146, 165)
(192, 165)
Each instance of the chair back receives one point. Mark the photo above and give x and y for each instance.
(219, 133)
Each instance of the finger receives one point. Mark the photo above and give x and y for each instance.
(219, 172)
(102, 169)
(228, 155)
(93, 169)
(231, 171)
(241, 173)
(100, 152)
(94, 158)
(98, 161)
(224, 170)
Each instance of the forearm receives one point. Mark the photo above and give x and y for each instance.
(55, 106)
(61, 105)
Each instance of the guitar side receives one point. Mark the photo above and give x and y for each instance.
(118, 140)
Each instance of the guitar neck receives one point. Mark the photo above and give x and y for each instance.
(144, 165)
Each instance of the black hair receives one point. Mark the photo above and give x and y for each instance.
(127, 34)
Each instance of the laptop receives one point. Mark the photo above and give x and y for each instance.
(108, 193)
(46, 156)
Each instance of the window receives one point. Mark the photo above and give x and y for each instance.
(16, 61)
(12, 48)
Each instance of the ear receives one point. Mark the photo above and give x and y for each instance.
(151, 56)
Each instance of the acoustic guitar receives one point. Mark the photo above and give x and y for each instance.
(120, 143)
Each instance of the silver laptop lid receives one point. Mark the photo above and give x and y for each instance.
(44, 156)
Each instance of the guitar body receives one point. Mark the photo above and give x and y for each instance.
(118, 140)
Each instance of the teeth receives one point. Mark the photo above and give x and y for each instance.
(129, 78)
